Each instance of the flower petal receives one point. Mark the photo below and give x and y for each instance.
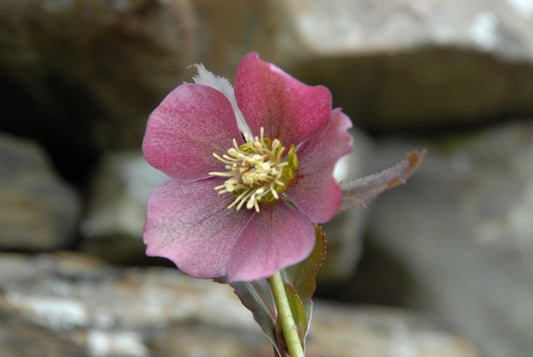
(191, 123)
(288, 109)
(190, 224)
(314, 191)
(275, 238)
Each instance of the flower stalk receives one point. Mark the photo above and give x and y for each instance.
(288, 326)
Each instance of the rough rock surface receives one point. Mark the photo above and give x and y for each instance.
(20, 337)
(400, 64)
(113, 225)
(457, 240)
(38, 210)
(109, 311)
(86, 74)
(500, 27)
(82, 76)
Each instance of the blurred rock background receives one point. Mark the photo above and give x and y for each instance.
(439, 267)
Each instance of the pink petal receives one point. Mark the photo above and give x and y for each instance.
(191, 123)
(190, 224)
(314, 191)
(275, 238)
(287, 108)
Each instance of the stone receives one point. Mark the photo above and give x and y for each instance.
(82, 77)
(38, 210)
(110, 311)
(456, 241)
(113, 225)
(501, 27)
(21, 337)
(400, 65)
(85, 75)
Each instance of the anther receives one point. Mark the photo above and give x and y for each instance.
(256, 171)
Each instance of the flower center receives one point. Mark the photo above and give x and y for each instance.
(258, 171)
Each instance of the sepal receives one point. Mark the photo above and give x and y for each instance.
(359, 192)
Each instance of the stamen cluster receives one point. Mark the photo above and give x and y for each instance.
(258, 171)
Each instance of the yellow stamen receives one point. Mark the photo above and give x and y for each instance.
(258, 170)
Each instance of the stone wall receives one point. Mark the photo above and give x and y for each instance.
(79, 78)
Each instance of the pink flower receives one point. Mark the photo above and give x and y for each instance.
(250, 171)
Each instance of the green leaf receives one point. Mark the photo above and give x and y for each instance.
(301, 279)
(361, 191)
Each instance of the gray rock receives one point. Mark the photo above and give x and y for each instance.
(500, 27)
(86, 75)
(400, 64)
(113, 225)
(460, 233)
(20, 337)
(110, 311)
(38, 211)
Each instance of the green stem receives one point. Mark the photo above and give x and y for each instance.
(288, 326)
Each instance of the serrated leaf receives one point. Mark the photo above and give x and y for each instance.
(301, 277)
(257, 297)
(361, 191)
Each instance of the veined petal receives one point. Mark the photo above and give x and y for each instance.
(314, 191)
(190, 224)
(288, 109)
(191, 123)
(275, 238)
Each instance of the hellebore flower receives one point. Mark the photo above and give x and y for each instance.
(250, 171)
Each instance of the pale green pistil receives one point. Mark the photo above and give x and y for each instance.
(257, 171)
